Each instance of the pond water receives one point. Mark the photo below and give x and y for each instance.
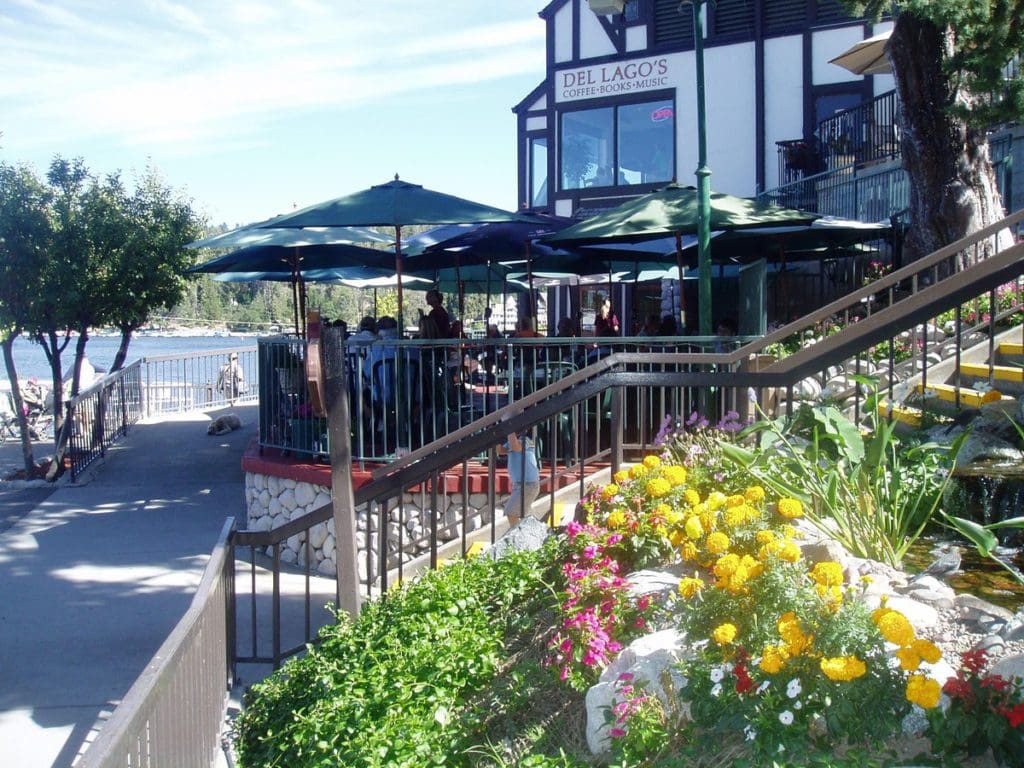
(979, 575)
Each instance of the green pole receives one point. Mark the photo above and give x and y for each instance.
(703, 178)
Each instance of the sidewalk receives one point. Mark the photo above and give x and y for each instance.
(94, 576)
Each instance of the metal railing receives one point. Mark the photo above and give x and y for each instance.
(872, 195)
(100, 416)
(174, 712)
(179, 383)
(619, 403)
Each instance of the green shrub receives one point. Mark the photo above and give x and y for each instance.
(389, 688)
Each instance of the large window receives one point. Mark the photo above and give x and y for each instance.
(618, 146)
(538, 172)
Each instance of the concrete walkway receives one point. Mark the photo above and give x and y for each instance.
(94, 576)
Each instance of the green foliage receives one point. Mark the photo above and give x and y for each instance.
(874, 495)
(389, 689)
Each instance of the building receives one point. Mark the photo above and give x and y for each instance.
(616, 113)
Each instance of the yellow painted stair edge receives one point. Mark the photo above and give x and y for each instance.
(999, 372)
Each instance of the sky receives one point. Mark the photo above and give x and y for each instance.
(253, 108)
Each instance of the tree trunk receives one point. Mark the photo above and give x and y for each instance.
(19, 407)
(952, 186)
(122, 349)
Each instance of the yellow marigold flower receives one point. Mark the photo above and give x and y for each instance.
(693, 527)
(768, 549)
(754, 494)
(689, 586)
(927, 650)
(827, 574)
(691, 497)
(661, 531)
(773, 657)
(674, 474)
(677, 538)
(992, 396)
(707, 520)
(688, 551)
(621, 476)
(923, 691)
(716, 500)
(843, 668)
(735, 500)
(735, 516)
(765, 537)
(652, 462)
(831, 595)
(717, 543)
(788, 531)
(908, 658)
(749, 513)
(726, 565)
(616, 519)
(894, 627)
(793, 634)
(658, 487)
(673, 516)
(790, 552)
(663, 509)
(790, 508)
(724, 634)
(637, 471)
(609, 491)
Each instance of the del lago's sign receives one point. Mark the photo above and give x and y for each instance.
(613, 78)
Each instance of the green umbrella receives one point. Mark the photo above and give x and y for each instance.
(395, 204)
(673, 211)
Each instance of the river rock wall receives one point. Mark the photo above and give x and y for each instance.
(272, 501)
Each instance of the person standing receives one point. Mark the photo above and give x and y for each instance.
(524, 474)
(231, 380)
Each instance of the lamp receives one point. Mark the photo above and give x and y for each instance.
(606, 7)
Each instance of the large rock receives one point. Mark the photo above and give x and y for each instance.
(528, 536)
(644, 662)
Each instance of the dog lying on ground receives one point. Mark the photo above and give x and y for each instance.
(224, 424)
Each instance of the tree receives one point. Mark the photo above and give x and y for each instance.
(26, 233)
(948, 59)
(145, 270)
(106, 257)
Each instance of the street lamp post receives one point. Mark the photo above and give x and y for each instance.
(703, 178)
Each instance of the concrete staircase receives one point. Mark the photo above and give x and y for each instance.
(986, 373)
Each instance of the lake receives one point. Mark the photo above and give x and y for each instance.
(31, 360)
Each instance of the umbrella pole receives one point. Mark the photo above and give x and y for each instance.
(682, 293)
(488, 305)
(295, 292)
(302, 303)
(398, 276)
(529, 274)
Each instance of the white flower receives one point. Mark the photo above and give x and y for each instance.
(798, 705)
(750, 733)
(786, 717)
(793, 688)
(763, 687)
(717, 675)
(716, 690)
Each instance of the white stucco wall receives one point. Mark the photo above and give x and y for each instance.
(827, 44)
(731, 126)
(563, 33)
(636, 38)
(784, 104)
(593, 40)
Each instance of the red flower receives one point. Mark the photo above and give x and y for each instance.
(996, 683)
(974, 661)
(743, 681)
(958, 688)
(1015, 715)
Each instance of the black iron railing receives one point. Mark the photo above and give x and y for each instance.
(101, 415)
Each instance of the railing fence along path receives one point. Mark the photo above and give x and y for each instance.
(99, 416)
(174, 712)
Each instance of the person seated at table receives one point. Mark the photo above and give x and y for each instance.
(651, 326)
(606, 323)
(438, 313)
(570, 353)
(668, 326)
(726, 331)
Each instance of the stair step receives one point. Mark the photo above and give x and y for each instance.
(1010, 348)
(904, 414)
(1007, 373)
(968, 397)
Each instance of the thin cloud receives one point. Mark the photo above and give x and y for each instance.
(172, 74)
